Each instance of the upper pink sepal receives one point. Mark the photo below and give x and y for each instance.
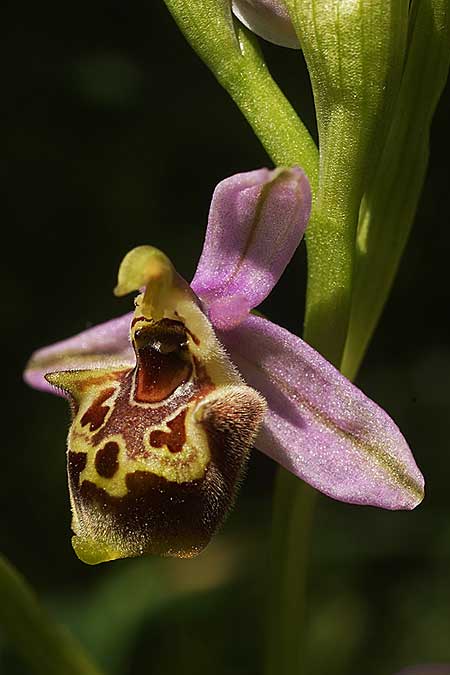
(269, 19)
(320, 426)
(102, 346)
(256, 222)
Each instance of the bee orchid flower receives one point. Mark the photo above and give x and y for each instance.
(168, 400)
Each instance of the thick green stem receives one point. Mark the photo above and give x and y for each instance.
(354, 51)
(291, 529)
(233, 56)
(269, 113)
(330, 243)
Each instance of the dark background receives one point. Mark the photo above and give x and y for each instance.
(115, 134)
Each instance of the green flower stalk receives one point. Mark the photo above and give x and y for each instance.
(354, 52)
(232, 54)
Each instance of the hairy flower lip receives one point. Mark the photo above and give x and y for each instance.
(319, 425)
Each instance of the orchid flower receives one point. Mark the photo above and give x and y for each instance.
(167, 401)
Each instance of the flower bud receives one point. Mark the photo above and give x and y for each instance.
(269, 19)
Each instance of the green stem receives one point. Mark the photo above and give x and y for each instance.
(233, 56)
(330, 243)
(47, 647)
(294, 503)
(269, 113)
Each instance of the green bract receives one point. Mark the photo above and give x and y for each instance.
(390, 200)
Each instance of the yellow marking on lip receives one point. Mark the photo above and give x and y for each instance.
(80, 382)
(92, 551)
(90, 397)
(187, 465)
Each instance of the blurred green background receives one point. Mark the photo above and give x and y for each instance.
(115, 134)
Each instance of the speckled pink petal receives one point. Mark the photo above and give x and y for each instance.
(256, 222)
(268, 19)
(319, 425)
(102, 346)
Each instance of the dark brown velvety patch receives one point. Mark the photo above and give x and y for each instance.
(106, 460)
(96, 413)
(175, 438)
(155, 516)
(160, 517)
(76, 463)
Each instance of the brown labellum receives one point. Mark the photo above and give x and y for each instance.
(157, 451)
(161, 517)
